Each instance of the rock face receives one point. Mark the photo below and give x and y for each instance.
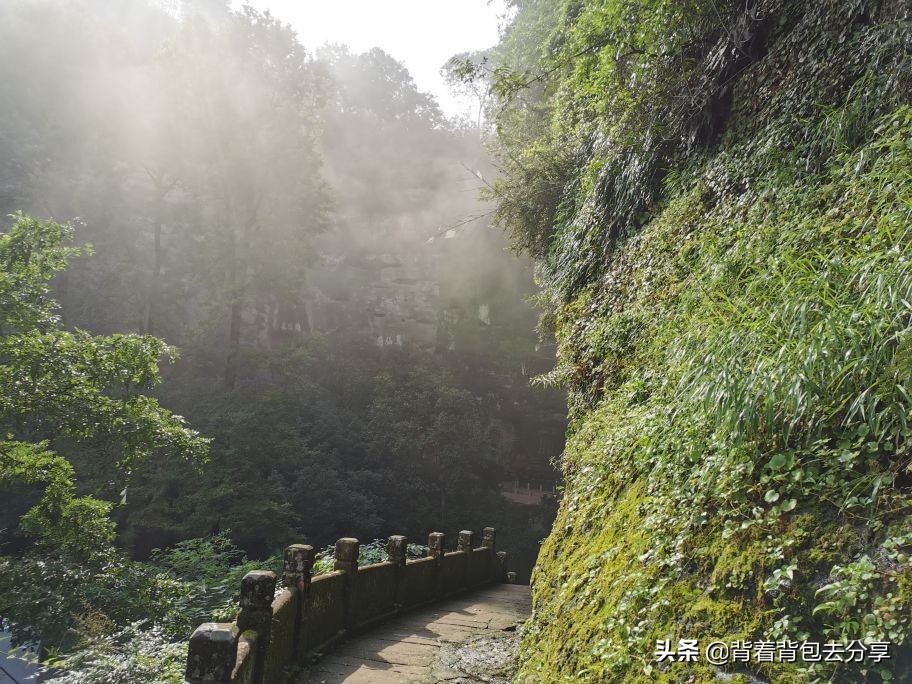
(727, 260)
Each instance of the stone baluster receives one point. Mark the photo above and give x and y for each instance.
(296, 574)
(466, 544)
(298, 564)
(437, 546)
(488, 537)
(257, 593)
(397, 550)
(437, 550)
(212, 653)
(347, 551)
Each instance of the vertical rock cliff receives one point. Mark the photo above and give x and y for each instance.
(719, 198)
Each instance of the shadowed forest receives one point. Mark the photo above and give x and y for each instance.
(252, 298)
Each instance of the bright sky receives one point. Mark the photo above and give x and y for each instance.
(422, 34)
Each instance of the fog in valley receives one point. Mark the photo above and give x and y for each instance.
(303, 225)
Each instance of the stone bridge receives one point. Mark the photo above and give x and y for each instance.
(278, 633)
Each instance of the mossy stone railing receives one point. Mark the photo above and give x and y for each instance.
(312, 613)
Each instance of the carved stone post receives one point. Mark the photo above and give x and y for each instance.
(466, 544)
(296, 574)
(437, 546)
(466, 541)
(347, 551)
(212, 653)
(257, 594)
(397, 550)
(299, 560)
(488, 537)
(436, 550)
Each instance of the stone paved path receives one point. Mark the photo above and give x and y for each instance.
(467, 639)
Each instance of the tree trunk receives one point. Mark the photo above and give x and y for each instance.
(238, 249)
(155, 284)
(234, 315)
(234, 341)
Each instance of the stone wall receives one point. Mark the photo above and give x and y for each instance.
(278, 629)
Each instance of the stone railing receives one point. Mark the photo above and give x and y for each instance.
(312, 613)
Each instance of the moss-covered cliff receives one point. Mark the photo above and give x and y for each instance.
(719, 196)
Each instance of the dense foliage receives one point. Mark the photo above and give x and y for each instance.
(327, 447)
(718, 196)
(130, 620)
(59, 389)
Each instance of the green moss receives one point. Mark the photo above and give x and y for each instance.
(733, 328)
(738, 365)
(741, 567)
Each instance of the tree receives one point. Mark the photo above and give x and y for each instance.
(88, 130)
(249, 90)
(60, 387)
